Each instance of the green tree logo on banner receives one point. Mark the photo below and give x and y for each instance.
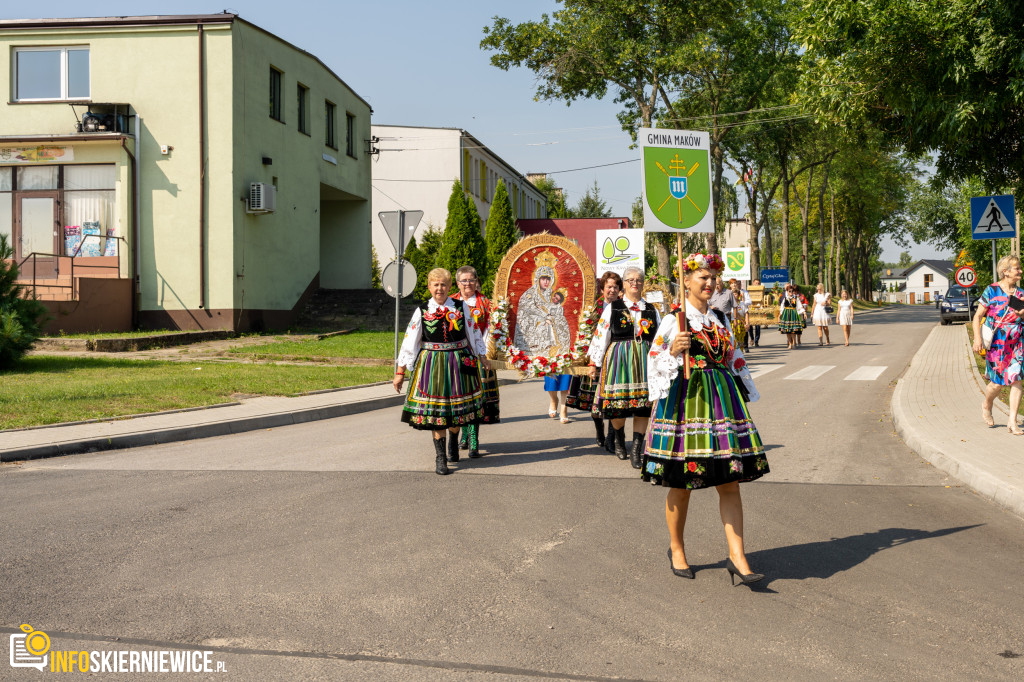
(676, 192)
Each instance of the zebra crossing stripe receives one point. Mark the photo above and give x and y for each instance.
(866, 373)
(810, 373)
(760, 370)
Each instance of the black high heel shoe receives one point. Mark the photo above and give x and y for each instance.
(745, 578)
(681, 572)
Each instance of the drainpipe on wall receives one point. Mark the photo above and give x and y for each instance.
(202, 172)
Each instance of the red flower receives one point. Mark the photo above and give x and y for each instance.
(740, 364)
(691, 467)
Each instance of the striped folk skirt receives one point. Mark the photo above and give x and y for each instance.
(489, 384)
(622, 386)
(581, 394)
(790, 321)
(444, 391)
(701, 435)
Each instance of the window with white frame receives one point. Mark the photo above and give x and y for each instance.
(51, 73)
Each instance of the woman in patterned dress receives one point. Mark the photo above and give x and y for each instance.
(790, 316)
(479, 317)
(1003, 361)
(701, 433)
(619, 351)
(444, 354)
(582, 388)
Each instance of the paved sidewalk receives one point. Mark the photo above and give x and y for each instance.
(203, 422)
(936, 409)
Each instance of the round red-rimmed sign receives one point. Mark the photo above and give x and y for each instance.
(966, 276)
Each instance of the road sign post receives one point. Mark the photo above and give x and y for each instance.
(993, 217)
(395, 223)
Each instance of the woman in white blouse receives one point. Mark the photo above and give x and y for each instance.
(444, 352)
(701, 433)
(619, 352)
(819, 313)
(845, 314)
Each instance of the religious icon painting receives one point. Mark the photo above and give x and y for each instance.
(546, 282)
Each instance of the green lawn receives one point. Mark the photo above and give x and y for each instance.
(360, 344)
(49, 390)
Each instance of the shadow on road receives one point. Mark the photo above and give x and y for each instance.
(825, 559)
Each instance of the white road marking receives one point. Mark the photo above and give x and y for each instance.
(760, 370)
(866, 373)
(810, 373)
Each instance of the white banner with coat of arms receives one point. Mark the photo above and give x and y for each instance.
(676, 173)
(737, 263)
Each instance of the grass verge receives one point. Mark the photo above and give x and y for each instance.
(979, 362)
(49, 390)
(361, 344)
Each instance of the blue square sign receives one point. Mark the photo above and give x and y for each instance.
(993, 217)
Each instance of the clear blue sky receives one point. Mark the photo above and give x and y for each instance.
(419, 63)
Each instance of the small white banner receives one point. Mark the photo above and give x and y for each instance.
(618, 250)
(737, 263)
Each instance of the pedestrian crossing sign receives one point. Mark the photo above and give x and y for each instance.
(993, 217)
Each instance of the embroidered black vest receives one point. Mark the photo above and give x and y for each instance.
(444, 325)
(622, 328)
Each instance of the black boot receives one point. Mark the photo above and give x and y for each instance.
(472, 432)
(599, 428)
(638, 450)
(609, 440)
(453, 447)
(620, 443)
(440, 466)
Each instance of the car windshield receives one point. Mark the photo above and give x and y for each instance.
(960, 293)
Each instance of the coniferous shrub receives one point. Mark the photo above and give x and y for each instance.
(20, 318)
(461, 244)
(502, 234)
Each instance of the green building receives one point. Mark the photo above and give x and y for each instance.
(182, 172)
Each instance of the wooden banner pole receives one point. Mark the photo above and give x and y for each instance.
(684, 324)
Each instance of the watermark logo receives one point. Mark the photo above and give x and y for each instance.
(30, 649)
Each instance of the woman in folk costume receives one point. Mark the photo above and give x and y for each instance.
(701, 435)
(445, 354)
(479, 317)
(582, 388)
(619, 351)
(791, 312)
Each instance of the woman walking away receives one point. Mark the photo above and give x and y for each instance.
(789, 316)
(582, 388)
(619, 350)
(479, 318)
(557, 386)
(819, 314)
(1000, 308)
(701, 434)
(443, 352)
(845, 314)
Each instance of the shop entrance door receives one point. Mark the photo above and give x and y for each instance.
(36, 230)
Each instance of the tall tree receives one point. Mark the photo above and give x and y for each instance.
(556, 198)
(932, 74)
(462, 243)
(591, 205)
(501, 234)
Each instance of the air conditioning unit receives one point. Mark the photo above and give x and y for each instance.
(262, 197)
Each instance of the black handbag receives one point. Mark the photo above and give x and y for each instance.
(828, 309)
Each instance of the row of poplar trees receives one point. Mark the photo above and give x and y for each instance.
(463, 243)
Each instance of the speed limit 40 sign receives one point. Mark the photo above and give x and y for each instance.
(966, 276)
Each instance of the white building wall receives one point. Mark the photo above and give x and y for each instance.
(420, 176)
(916, 283)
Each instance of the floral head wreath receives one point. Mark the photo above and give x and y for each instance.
(700, 261)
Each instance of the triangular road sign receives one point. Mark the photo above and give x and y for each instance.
(390, 221)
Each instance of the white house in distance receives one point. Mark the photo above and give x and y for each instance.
(416, 167)
(926, 279)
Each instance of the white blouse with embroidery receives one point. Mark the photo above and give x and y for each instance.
(663, 368)
(410, 349)
(602, 331)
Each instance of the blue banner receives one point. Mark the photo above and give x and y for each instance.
(769, 276)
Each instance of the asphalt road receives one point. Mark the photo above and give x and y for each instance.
(330, 550)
